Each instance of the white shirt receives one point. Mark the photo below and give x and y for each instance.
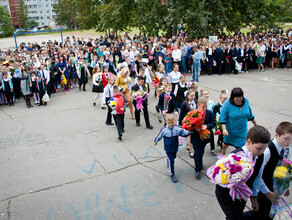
(174, 77)
(176, 55)
(147, 74)
(97, 79)
(108, 93)
(46, 75)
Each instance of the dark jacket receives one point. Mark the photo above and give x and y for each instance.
(210, 122)
(172, 106)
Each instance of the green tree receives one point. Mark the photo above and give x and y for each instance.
(32, 23)
(6, 27)
(66, 12)
(22, 15)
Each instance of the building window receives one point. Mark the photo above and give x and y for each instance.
(48, 17)
(42, 18)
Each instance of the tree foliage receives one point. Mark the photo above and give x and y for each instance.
(22, 14)
(66, 12)
(6, 27)
(32, 23)
(198, 17)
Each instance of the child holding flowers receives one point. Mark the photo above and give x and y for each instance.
(188, 105)
(276, 151)
(196, 141)
(170, 133)
(160, 89)
(167, 101)
(257, 141)
(98, 79)
(139, 96)
(121, 103)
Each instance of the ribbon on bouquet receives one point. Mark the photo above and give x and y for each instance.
(139, 101)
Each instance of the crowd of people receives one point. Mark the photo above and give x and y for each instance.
(124, 69)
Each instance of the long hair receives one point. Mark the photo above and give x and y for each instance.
(187, 99)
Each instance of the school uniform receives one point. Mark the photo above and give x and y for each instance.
(198, 144)
(272, 155)
(236, 57)
(228, 56)
(136, 88)
(83, 71)
(167, 102)
(6, 86)
(107, 95)
(233, 209)
(217, 109)
(42, 81)
(180, 90)
(120, 115)
(184, 110)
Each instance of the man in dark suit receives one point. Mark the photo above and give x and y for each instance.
(219, 56)
(141, 86)
(228, 56)
(236, 56)
(257, 141)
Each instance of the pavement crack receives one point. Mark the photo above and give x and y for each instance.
(184, 184)
(8, 210)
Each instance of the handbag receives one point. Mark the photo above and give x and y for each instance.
(46, 97)
(63, 80)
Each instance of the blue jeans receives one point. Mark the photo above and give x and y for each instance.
(183, 62)
(168, 67)
(196, 71)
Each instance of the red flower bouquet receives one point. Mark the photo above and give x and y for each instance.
(155, 81)
(195, 120)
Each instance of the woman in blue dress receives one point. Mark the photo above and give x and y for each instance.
(235, 113)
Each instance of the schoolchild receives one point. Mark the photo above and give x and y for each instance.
(257, 141)
(120, 111)
(107, 95)
(170, 133)
(140, 85)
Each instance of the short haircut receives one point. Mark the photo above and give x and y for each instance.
(168, 85)
(109, 77)
(224, 96)
(169, 117)
(116, 88)
(236, 92)
(259, 134)
(140, 78)
(141, 70)
(202, 100)
(284, 128)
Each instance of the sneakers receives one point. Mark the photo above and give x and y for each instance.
(173, 178)
(198, 175)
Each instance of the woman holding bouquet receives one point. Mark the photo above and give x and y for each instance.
(235, 114)
(199, 144)
(122, 81)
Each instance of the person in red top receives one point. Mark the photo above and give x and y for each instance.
(120, 110)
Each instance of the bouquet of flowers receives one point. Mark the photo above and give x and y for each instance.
(113, 104)
(232, 171)
(218, 128)
(281, 183)
(195, 120)
(161, 89)
(155, 80)
(139, 96)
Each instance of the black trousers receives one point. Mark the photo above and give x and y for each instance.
(119, 121)
(219, 67)
(109, 112)
(16, 87)
(145, 111)
(233, 209)
(264, 209)
(212, 141)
